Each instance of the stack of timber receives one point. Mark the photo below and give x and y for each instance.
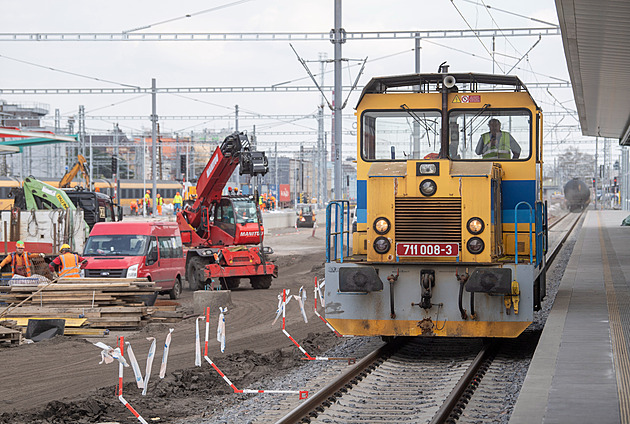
(9, 333)
(92, 302)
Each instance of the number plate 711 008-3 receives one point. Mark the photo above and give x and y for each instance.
(427, 249)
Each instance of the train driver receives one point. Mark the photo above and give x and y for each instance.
(497, 144)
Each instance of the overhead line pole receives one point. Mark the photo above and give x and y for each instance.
(154, 143)
(337, 41)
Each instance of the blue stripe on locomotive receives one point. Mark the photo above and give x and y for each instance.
(362, 201)
(514, 192)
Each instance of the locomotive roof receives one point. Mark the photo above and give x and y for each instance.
(475, 82)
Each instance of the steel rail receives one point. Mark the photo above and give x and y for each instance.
(463, 384)
(322, 395)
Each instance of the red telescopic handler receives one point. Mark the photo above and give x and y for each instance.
(224, 233)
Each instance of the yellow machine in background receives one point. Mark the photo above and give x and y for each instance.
(79, 166)
(449, 165)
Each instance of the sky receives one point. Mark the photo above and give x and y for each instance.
(88, 64)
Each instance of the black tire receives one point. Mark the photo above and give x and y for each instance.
(261, 281)
(176, 291)
(194, 273)
(229, 283)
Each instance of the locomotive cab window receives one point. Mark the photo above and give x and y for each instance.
(490, 135)
(400, 135)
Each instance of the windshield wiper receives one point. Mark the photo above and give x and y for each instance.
(477, 115)
(417, 119)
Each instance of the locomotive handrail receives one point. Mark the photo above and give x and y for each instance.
(531, 255)
(339, 232)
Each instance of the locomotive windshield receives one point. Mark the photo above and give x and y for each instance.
(400, 135)
(490, 134)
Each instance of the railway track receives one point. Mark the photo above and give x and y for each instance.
(425, 380)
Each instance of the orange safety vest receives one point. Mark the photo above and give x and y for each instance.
(69, 266)
(27, 263)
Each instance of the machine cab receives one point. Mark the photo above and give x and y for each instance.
(236, 221)
(305, 215)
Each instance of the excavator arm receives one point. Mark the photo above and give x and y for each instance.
(79, 166)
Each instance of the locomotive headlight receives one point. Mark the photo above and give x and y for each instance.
(475, 245)
(382, 225)
(428, 169)
(428, 187)
(475, 225)
(381, 245)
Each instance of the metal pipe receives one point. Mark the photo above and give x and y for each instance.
(444, 144)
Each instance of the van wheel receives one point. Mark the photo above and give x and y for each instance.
(195, 273)
(261, 281)
(229, 283)
(176, 291)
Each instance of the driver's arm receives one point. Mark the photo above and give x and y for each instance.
(515, 147)
(479, 148)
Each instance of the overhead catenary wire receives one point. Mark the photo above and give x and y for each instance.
(488, 7)
(63, 71)
(476, 35)
(188, 15)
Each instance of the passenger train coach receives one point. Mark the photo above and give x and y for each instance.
(451, 226)
(129, 190)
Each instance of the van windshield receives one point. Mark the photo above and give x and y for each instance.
(116, 245)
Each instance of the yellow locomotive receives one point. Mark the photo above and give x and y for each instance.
(451, 226)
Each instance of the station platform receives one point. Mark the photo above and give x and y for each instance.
(580, 372)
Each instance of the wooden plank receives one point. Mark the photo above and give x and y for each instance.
(115, 319)
(35, 310)
(167, 314)
(103, 280)
(70, 322)
(68, 287)
(85, 332)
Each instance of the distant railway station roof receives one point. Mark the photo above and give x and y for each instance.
(13, 139)
(596, 38)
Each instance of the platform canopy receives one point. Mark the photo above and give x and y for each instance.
(13, 139)
(596, 38)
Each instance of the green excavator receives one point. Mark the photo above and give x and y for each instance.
(35, 194)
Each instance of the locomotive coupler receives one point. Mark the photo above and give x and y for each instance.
(427, 282)
(392, 279)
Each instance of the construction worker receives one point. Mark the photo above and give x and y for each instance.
(160, 202)
(134, 207)
(177, 203)
(147, 201)
(68, 264)
(20, 260)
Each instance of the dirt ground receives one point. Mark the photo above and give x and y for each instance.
(61, 381)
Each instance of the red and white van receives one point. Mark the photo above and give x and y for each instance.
(150, 250)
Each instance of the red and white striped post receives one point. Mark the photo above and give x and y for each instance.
(120, 384)
(308, 357)
(303, 394)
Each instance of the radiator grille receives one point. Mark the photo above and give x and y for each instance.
(428, 220)
(107, 273)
